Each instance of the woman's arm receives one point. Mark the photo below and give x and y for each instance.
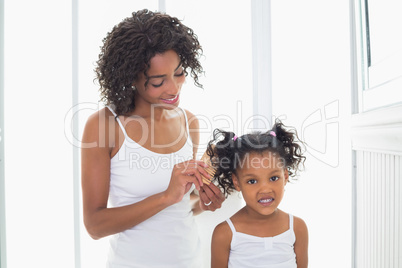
(208, 192)
(97, 144)
(220, 246)
(301, 244)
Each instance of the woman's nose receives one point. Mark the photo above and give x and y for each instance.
(174, 87)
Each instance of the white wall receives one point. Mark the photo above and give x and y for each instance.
(38, 158)
(3, 254)
(311, 88)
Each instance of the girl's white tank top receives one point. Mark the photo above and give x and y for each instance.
(248, 251)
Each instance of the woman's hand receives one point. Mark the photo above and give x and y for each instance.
(211, 197)
(184, 175)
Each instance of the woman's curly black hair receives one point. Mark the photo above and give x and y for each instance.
(227, 152)
(129, 47)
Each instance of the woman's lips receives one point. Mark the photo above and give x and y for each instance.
(172, 100)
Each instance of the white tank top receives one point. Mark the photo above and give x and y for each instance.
(248, 251)
(167, 239)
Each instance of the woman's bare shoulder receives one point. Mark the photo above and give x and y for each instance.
(192, 119)
(100, 127)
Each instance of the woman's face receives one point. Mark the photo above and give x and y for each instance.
(165, 79)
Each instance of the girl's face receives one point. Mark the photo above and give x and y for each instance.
(261, 177)
(166, 77)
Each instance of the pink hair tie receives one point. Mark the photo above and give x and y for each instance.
(234, 138)
(272, 133)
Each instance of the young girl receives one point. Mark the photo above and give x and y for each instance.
(259, 235)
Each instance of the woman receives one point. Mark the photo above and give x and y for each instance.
(139, 152)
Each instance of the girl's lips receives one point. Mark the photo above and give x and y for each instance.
(266, 201)
(172, 100)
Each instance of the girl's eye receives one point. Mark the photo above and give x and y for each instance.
(274, 178)
(252, 181)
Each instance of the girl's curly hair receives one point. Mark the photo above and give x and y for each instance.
(227, 152)
(129, 47)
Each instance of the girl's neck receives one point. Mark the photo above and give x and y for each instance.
(261, 225)
(255, 216)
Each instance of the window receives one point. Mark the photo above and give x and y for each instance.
(379, 52)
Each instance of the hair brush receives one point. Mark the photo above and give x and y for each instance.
(211, 170)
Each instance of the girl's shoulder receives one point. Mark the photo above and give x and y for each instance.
(299, 226)
(298, 223)
(220, 245)
(223, 228)
(222, 234)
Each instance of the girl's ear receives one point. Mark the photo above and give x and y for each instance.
(235, 182)
(286, 176)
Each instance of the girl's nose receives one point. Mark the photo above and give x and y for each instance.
(265, 188)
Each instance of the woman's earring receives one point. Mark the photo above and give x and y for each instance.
(240, 195)
(133, 88)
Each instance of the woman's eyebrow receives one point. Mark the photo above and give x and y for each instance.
(163, 75)
(178, 66)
